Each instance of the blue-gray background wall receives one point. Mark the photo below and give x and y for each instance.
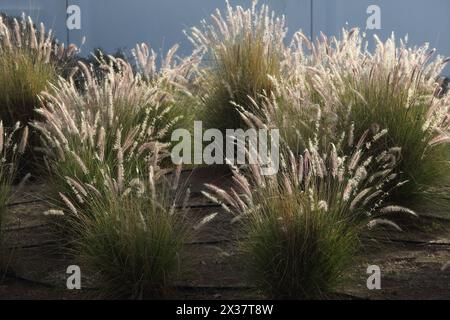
(120, 24)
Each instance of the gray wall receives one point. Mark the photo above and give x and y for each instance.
(113, 24)
(51, 12)
(423, 20)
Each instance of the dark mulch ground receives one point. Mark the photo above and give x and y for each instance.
(410, 261)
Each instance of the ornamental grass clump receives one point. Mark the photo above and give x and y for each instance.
(393, 87)
(129, 228)
(300, 227)
(80, 129)
(242, 50)
(29, 59)
(129, 234)
(104, 146)
(133, 244)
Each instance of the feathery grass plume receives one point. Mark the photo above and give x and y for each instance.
(95, 60)
(301, 226)
(393, 87)
(175, 72)
(10, 154)
(29, 58)
(178, 77)
(112, 124)
(244, 49)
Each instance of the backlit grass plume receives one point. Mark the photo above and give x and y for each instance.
(81, 131)
(243, 48)
(175, 71)
(29, 58)
(176, 76)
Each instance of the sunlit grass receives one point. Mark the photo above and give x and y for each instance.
(29, 60)
(244, 49)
